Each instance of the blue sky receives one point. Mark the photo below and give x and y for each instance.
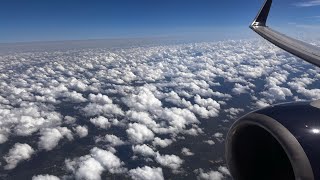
(42, 20)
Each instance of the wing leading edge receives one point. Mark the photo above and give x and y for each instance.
(298, 48)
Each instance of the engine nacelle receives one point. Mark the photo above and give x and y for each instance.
(278, 142)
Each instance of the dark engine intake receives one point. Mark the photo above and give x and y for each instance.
(279, 142)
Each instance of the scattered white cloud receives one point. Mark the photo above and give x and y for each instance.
(113, 140)
(82, 131)
(101, 105)
(108, 160)
(92, 166)
(207, 103)
(161, 142)
(144, 150)
(172, 161)
(222, 173)
(144, 100)
(277, 93)
(89, 168)
(76, 84)
(19, 152)
(45, 177)
(26, 120)
(101, 122)
(218, 135)
(186, 152)
(50, 138)
(146, 173)
(74, 97)
(233, 112)
(179, 118)
(210, 142)
(240, 89)
(224, 170)
(93, 109)
(211, 175)
(3, 138)
(69, 120)
(100, 99)
(262, 103)
(139, 133)
(142, 118)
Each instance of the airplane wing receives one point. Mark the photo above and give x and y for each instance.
(298, 48)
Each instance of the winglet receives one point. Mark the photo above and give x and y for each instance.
(262, 16)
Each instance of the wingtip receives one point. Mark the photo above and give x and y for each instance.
(262, 16)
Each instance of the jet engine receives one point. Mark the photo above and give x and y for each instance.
(278, 142)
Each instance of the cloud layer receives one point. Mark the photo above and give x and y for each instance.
(139, 112)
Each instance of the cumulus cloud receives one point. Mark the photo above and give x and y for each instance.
(69, 120)
(211, 175)
(108, 160)
(186, 152)
(45, 177)
(101, 105)
(301, 86)
(224, 170)
(77, 84)
(179, 118)
(144, 150)
(139, 133)
(161, 142)
(50, 138)
(92, 166)
(19, 152)
(93, 109)
(209, 103)
(3, 138)
(99, 99)
(142, 118)
(210, 142)
(113, 140)
(172, 161)
(74, 97)
(146, 173)
(174, 98)
(262, 103)
(144, 100)
(203, 112)
(218, 135)
(240, 89)
(26, 120)
(89, 168)
(204, 107)
(82, 131)
(101, 122)
(277, 93)
(233, 112)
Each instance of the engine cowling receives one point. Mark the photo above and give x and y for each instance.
(277, 142)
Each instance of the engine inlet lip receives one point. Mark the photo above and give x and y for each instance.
(297, 156)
